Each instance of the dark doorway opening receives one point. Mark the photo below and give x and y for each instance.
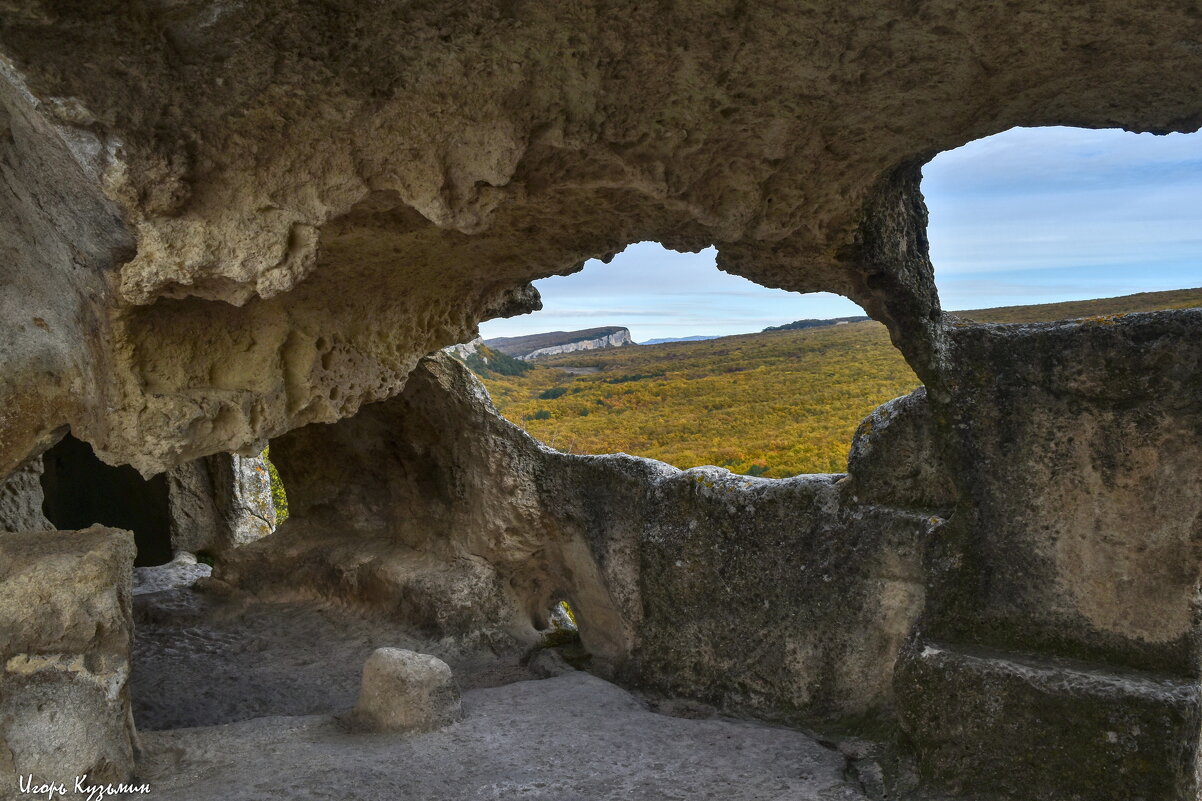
(80, 491)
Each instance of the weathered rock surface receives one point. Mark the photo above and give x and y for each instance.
(188, 278)
(1078, 448)
(406, 691)
(197, 519)
(182, 571)
(617, 339)
(220, 502)
(791, 599)
(184, 277)
(65, 629)
(1038, 727)
(465, 349)
(244, 490)
(21, 499)
(547, 663)
(896, 458)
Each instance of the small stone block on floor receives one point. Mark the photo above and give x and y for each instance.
(406, 691)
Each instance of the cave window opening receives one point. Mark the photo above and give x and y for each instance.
(562, 620)
(80, 490)
(762, 382)
(279, 495)
(560, 629)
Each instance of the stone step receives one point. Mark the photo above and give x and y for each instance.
(1035, 727)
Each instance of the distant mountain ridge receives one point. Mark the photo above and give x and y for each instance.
(666, 340)
(799, 324)
(1076, 309)
(553, 343)
(1042, 312)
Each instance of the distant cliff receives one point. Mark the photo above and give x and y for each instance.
(485, 361)
(556, 342)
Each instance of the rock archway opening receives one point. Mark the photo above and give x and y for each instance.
(560, 626)
(660, 354)
(561, 639)
(80, 490)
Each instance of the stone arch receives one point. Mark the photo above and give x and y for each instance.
(740, 378)
(186, 278)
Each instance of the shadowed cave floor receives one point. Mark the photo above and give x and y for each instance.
(241, 700)
(203, 658)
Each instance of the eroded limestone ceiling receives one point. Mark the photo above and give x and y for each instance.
(223, 220)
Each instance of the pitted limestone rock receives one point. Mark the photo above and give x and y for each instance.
(21, 499)
(188, 278)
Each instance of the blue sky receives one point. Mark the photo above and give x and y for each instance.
(1032, 215)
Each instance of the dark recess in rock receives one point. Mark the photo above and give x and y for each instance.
(82, 491)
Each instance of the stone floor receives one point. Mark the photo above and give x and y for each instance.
(203, 658)
(239, 700)
(570, 737)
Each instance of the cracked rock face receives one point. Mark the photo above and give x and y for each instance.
(250, 512)
(229, 220)
(220, 502)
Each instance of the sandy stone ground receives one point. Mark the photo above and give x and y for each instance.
(570, 737)
(201, 658)
(246, 700)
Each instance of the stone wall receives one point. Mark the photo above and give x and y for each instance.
(64, 703)
(945, 594)
(1060, 646)
(784, 598)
